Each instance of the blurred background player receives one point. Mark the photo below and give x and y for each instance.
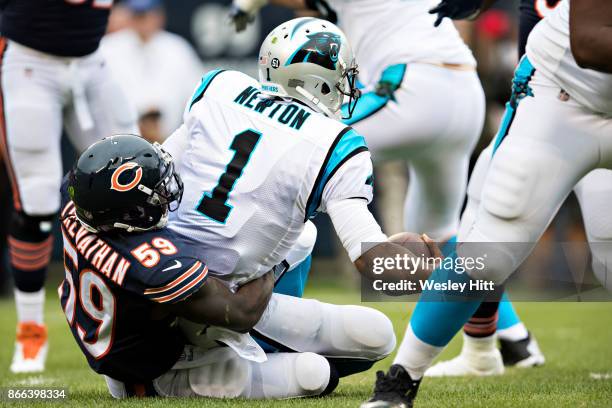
(554, 136)
(52, 78)
(479, 355)
(156, 68)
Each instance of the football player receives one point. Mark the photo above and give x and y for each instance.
(518, 346)
(52, 78)
(553, 135)
(259, 159)
(479, 355)
(128, 278)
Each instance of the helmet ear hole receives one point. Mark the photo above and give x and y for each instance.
(325, 89)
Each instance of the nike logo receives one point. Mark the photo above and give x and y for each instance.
(177, 264)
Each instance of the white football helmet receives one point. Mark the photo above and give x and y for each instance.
(309, 59)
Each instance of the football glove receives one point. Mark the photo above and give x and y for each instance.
(456, 10)
(242, 12)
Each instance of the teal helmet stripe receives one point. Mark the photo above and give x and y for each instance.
(300, 24)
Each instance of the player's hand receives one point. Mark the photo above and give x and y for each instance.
(242, 12)
(240, 18)
(324, 9)
(456, 9)
(435, 250)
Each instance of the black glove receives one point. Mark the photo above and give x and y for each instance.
(324, 9)
(455, 9)
(239, 18)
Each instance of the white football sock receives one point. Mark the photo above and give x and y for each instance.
(415, 355)
(30, 306)
(514, 333)
(479, 344)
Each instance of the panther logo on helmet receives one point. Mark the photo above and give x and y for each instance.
(321, 48)
(117, 185)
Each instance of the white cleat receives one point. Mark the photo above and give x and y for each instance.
(30, 348)
(479, 357)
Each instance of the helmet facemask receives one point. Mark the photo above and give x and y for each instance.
(349, 78)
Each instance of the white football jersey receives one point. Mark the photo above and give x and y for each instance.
(389, 32)
(255, 169)
(548, 49)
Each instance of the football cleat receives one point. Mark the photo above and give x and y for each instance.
(478, 357)
(393, 390)
(30, 348)
(522, 353)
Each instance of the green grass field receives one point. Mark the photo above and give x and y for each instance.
(576, 338)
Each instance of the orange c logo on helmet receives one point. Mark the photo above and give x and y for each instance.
(116, 185)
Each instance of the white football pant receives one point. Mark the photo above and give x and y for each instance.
(434, 123)
(552, 147)
(43, 94)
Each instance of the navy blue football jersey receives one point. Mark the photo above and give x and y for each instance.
(67, 28)
(531, 12)
(112, 291)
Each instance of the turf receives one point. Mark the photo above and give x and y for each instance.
(576, 338)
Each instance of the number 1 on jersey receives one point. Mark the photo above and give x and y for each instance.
(214, 204)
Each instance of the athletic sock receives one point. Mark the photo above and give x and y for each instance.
(484, 321)
(30, 306)
(479, 344)
(415, 355)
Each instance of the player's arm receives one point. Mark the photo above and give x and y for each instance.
(244, 11)
(460, 9)
(345, 197)
(214, 304)
(591, 34)
(366, 244)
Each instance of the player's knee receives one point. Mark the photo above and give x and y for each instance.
(369, 330)
(509, 185)
(287, 375)
(312, 373)
(223, 375)
(32, 128)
